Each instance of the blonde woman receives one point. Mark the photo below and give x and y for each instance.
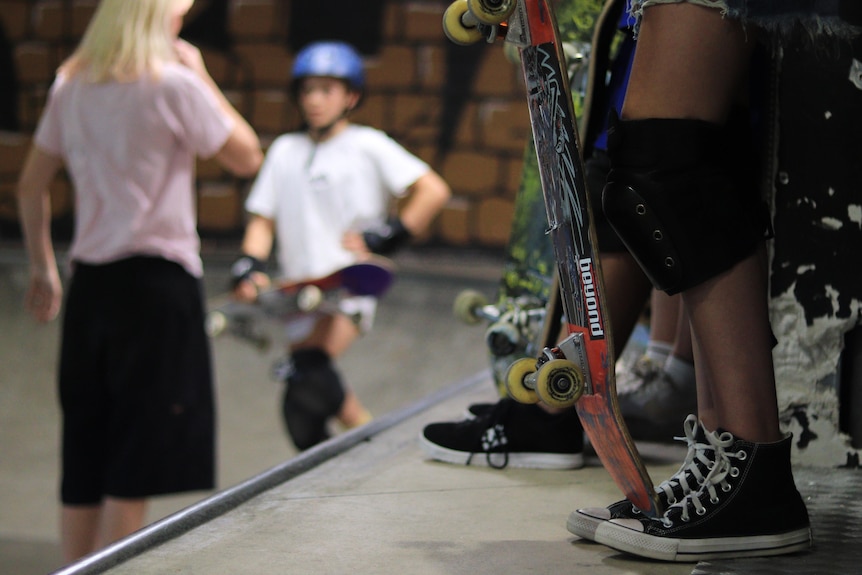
(127, 115)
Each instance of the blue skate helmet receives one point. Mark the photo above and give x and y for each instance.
(331, 59)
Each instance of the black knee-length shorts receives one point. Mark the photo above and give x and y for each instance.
(135, 383)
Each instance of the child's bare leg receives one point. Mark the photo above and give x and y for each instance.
(352, 413)
(334, 334)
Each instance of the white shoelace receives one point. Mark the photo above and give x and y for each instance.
(720, 468)
(697, 452)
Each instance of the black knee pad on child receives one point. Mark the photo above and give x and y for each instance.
(314, 394)
(305, 429)
(682, 199)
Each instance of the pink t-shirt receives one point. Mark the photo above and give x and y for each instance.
(130, 151)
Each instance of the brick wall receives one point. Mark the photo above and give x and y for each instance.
(407, 83)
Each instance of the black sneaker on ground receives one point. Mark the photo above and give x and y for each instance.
(511, 434)
(692, 472)
(747, 506)
(478, 410)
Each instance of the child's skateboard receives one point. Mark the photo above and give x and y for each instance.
(580, 370)
(515, 319)
(290, 299)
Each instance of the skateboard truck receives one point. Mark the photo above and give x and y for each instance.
(506, 334)
(510, 325)
(324, 295)
(574, 349)
(553, 378)
(466, 22)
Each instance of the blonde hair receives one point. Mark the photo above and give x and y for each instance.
(126, 39)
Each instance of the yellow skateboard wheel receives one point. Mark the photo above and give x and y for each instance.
(309, 298)
(559, 383)
(466, 304)
(515, 385)
(455, 27)
(215, 323)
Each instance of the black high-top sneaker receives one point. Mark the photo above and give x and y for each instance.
(689, 476)
(747, 506)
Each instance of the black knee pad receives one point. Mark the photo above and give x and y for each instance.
(305, 429)
(314, 393)
(596, 169)
(682, 198)
(313, 383)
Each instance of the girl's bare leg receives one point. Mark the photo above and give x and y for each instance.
(743, 502)
(626, 291)
(682, 340)
(121, 517)
(79, 528)
(664, 317)
(705, 60)
(86, 528)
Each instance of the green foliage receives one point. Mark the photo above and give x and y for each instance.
(530, 262)
(576, 19)
(530, 259)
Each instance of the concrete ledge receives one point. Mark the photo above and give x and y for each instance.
(222, 502)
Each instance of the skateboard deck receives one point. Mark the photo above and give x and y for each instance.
(290, 299)
(525, 317)
(517, 315)
(580, 370)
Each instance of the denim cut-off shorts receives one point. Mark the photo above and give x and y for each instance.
(782, 19)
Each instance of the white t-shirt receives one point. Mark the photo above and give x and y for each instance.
(316, 192)
(130, 149)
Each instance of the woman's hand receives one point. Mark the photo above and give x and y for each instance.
(44, 294)
(190, 57)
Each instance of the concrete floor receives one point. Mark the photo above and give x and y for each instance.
(367, 501)
(379, 507)
(416, 348)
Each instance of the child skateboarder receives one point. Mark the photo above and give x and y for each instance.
(323, 196)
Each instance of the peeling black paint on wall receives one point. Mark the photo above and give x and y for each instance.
(818, 235)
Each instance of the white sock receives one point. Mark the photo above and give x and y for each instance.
(658, 351)
(679, 370)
